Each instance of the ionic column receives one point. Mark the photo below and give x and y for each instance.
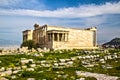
(62, 37)
(57, 36)
(52, 36)
(65, 36)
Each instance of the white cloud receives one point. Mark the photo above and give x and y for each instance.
(22, 4)
(71, 12)
(8, 2)
(95, 21)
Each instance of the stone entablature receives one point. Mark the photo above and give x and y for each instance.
(53, 37)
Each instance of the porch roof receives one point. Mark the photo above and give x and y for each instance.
(57, 31)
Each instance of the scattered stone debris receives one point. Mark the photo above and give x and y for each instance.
(96, 75)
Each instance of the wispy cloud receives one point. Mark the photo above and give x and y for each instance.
(9, 2)
(22, 4)
(71, 12)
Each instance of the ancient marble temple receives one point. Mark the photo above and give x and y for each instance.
(53, 37)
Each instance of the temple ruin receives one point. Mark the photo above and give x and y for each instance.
(53, 37)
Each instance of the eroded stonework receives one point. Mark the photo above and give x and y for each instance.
(53, 37)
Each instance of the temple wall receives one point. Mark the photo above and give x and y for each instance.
(77, 38)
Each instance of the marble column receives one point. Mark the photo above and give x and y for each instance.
(52, 36)
(58, 37)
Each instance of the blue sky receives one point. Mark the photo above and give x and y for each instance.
(19, 15)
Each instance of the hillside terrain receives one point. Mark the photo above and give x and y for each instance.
(113, 43)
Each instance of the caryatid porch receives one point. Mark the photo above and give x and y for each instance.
(57, 35)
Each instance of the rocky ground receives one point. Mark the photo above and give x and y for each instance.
(99, 64)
